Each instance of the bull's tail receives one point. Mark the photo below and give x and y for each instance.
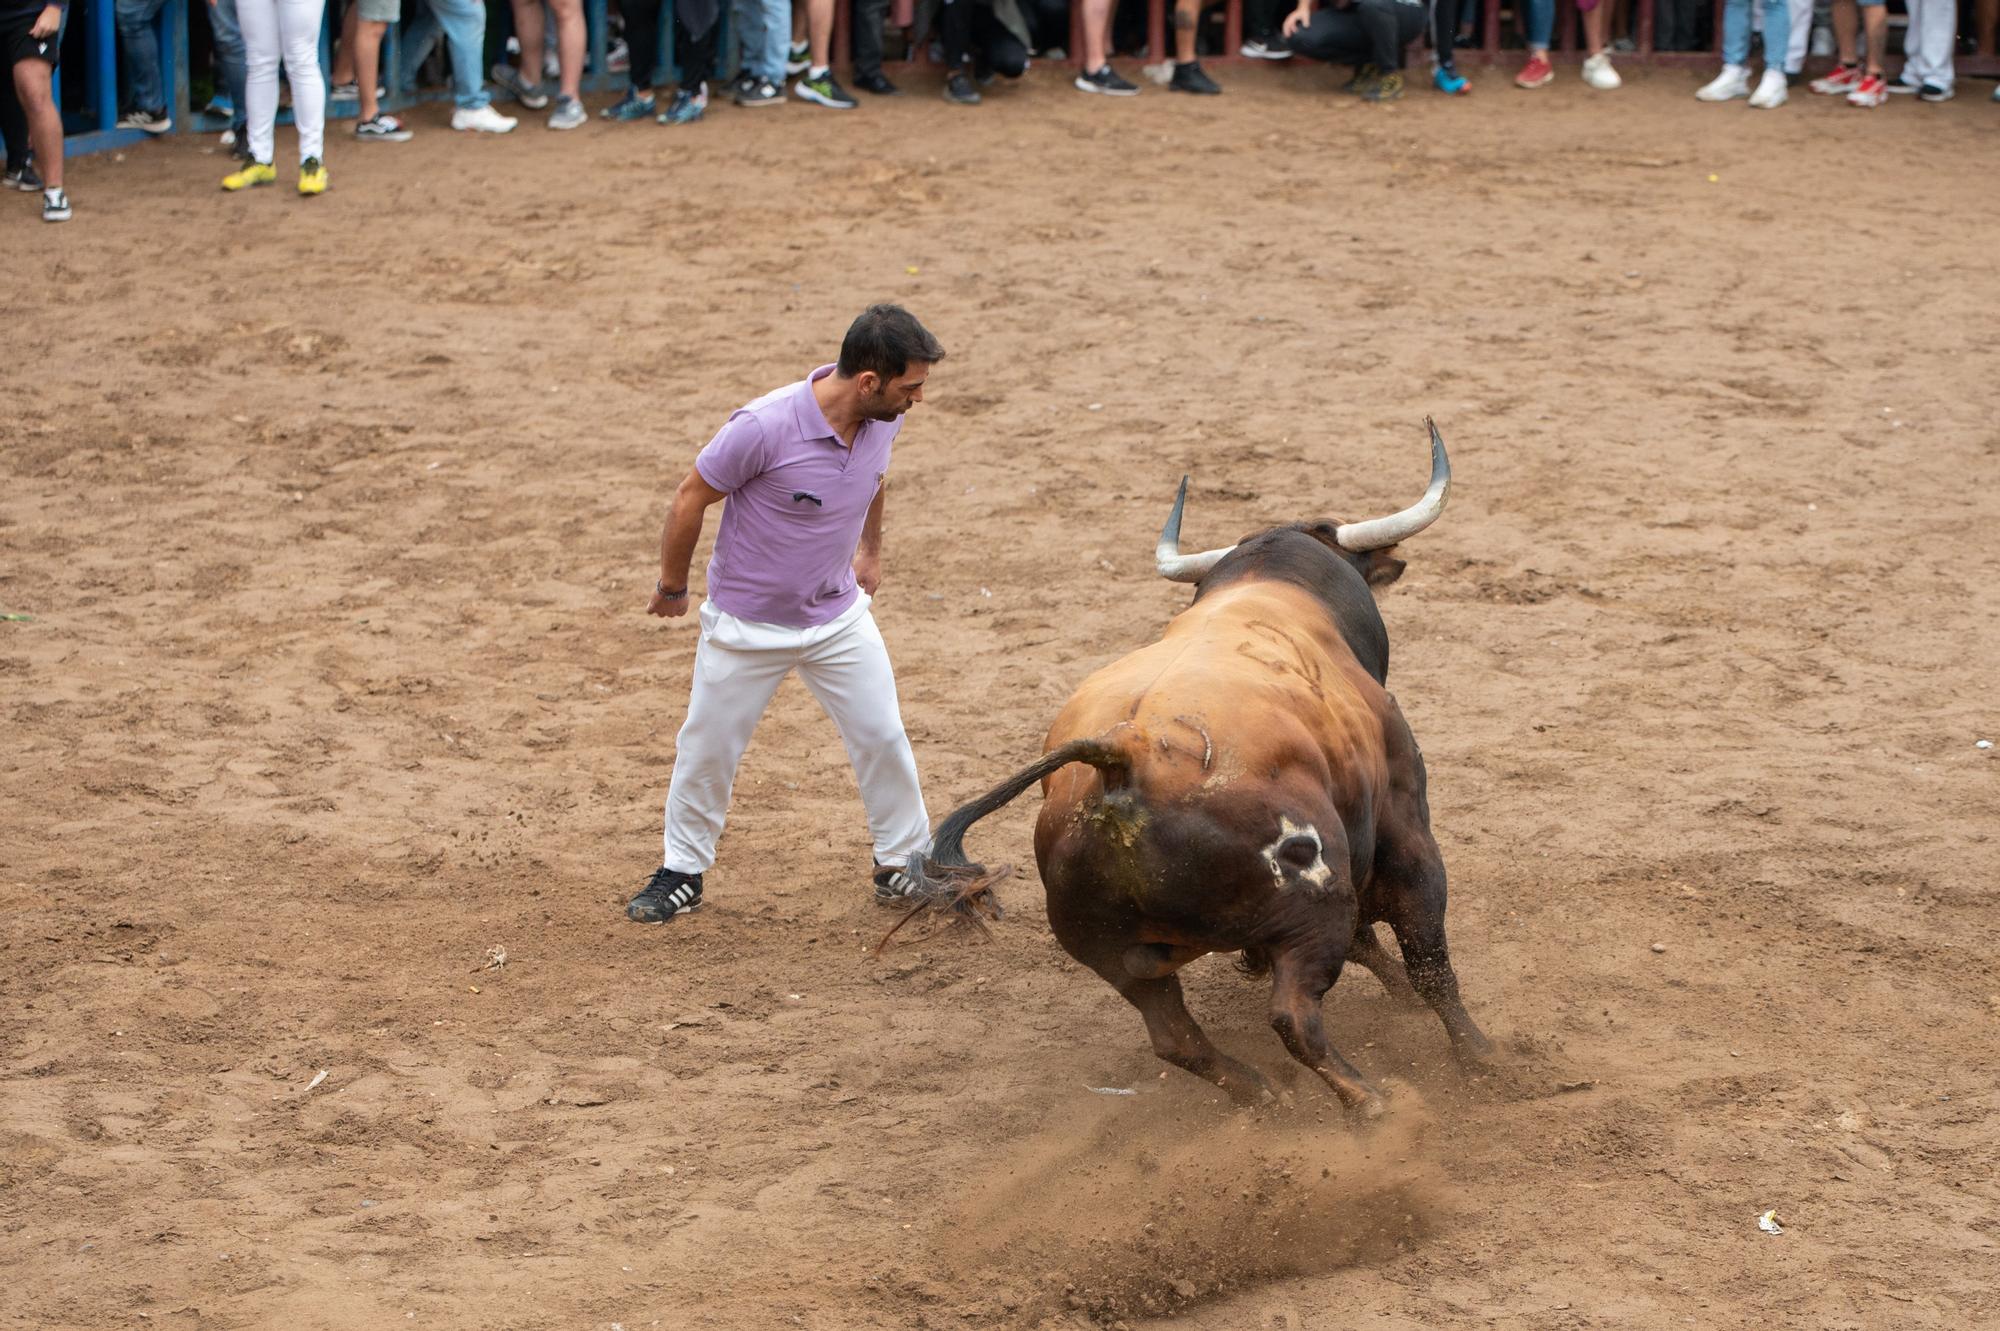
(945, 880)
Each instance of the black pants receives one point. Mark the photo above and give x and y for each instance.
(869, 18)
(1367, 31)
(1261, 21)
(696, 55)
(13, 120)
(971, 32)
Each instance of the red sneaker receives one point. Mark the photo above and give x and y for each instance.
(1873, 90)
(1843, 80)
(1537, 72)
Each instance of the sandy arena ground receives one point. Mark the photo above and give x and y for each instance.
(336, 520)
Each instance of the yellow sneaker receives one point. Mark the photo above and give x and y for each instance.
(312, 177)
(252, 173)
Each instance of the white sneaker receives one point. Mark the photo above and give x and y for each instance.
(1599, 74)
(1732, 82)
(484, 119)
(1771, 90)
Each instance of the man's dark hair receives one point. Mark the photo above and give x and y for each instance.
(885, 339)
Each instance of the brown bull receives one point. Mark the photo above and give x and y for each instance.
(1248, 784)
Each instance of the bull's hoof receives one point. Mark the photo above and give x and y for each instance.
(1368, 1111)
(1477, 1056)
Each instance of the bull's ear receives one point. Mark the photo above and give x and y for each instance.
(1381, 567)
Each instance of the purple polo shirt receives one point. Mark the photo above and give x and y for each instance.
(797, 501)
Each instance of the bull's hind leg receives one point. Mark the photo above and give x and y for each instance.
(1367, 952)
(1300, 978)
(1410, 881)
(1178, 1040)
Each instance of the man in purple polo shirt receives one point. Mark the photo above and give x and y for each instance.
(797, 558)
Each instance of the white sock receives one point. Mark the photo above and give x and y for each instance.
(816, 73)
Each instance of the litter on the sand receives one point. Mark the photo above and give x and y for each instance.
(1768, 1222)
(1109, 1090)
(314, 1083)
(1977, 744)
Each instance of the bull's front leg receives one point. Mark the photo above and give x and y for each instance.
(1300, 978)
(1177, 1039)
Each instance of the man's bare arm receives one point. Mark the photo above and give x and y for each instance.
(868, 555)
(677, 541)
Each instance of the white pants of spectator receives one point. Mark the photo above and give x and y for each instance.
(287, 28)
(738, 665)
(1801, 12)
(1929, 41)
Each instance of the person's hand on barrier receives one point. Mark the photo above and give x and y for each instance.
(1295, 20)
(47, 22)
(667, 603)
(868, 572)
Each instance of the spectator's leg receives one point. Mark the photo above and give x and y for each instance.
(1846, 15)
(14, 125)
(777, 31)
(1187, 18)
(1387, 27)
(1777, 33)
(262, 49)
(1335, 36)
(1875, 27)
(570, 41)
(413, 43)
(1541, 25)
(368, 64)
(696, 53)
(141, 47)
(955, 32)
(642, 40)
(1096, 33)
(869, 18)
(298, 31)
(528, 32)
(1597, 28)
(464, 24)
(33, 86)
(1799, 18)
(1736, 33)
(819, 34)
(229, 53)
(343, 51)
(1002, 50)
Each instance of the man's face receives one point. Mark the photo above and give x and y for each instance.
(885, 399)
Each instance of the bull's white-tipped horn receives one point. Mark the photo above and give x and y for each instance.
(1380, 533)
(1167, 557)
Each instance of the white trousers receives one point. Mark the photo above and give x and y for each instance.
(738, 665)
(287, 28)
(1801, 12)
(1929, 41)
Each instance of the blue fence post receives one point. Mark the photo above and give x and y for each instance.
(104, 61)
(174, 61)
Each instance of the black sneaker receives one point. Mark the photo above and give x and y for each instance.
(666, 894)
(1264, 48)
(893, 887)
(822, 89)
(1930, 92)
(878, 84)
(26, 179)
(1105, 81)
(760, 92)
(1190, 78)
(1387, 88)
(743, 81)
(959, 89)
(1364, 75)
(153, 122)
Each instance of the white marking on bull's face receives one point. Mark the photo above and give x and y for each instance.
(1318, 873)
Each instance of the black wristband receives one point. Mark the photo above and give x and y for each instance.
(661, 588)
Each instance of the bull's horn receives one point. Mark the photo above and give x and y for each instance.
(1167, 557)
(1380, 533)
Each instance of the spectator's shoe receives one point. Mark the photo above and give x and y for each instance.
(1192, 78)
(1105, 81)
(482, 120)
(618, 56)
(819, 86)
(878, 84)
(1364, 74)
(153, 122)
(1450, 82)
(665, 895)
(685, 108)
(55, 205)
(1388, 88)
(527, 94)
(312, 177)
(798, 59)
(1599, 74)
(344, 92)
(760, 92)
(1731, 83)
(1843, 80)
(1772, 90)
(1899, 88)
(894, 887)
(26, 179)
(382, 128)
(630, 107)
(958, 89)
(249, 174)
(1873, 90)
(744, 81)
(1537, 73)
(1930, 92)
(1264, 48)
(569, 114)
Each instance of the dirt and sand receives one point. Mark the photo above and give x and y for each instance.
(336, 520)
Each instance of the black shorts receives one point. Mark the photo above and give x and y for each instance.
(17, 42)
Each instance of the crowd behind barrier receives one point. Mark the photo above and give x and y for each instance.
(111, 72)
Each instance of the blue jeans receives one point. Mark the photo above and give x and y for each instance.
(463, 23)
(140, 41)
(1736, 32)
(1541, 24)
(229, 54)
(763, 34)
